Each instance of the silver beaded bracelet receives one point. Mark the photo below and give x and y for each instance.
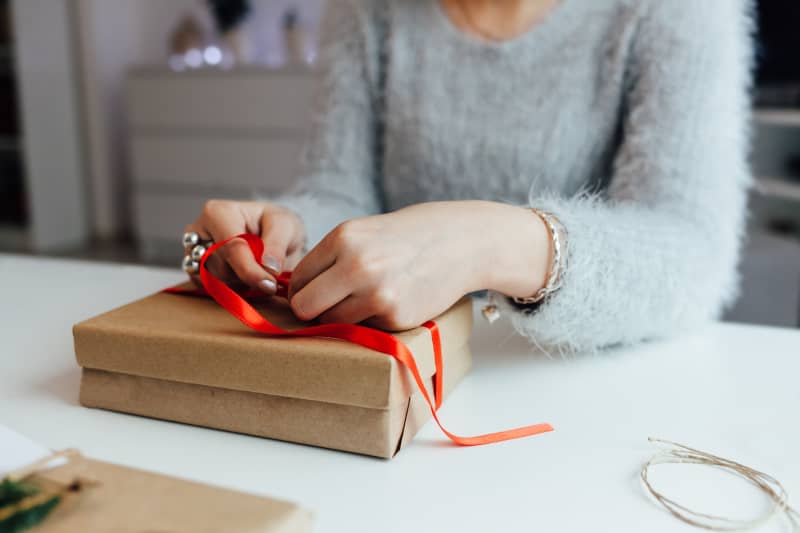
(557, 265)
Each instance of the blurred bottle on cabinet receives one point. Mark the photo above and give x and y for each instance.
(300, 40)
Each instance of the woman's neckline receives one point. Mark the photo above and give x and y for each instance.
(538, 28)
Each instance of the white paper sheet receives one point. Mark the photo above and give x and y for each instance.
(18, 451)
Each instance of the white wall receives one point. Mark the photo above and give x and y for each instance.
(52, 124)
(115, 35)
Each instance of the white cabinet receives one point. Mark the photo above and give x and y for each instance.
(209, 133)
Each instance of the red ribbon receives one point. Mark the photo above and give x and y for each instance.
(374, 339)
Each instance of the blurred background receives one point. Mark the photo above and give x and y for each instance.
(119, 118)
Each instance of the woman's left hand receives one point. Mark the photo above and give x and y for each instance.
(397, 270)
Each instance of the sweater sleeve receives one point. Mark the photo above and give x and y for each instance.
(657, 252)
(338, 177)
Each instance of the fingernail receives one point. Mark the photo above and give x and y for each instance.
(267, 285)
(272, 264)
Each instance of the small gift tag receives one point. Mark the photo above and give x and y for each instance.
(490, 312)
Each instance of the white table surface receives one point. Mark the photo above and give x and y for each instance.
(729, 389)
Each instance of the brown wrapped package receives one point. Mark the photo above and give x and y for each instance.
(186, 359)
(126, 500)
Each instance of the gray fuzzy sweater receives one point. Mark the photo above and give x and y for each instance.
(625, 118)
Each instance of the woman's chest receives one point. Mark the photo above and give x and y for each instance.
(476, 121)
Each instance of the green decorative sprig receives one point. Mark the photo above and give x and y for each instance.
(24, 505)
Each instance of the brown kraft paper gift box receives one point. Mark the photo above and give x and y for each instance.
(126, 500)
(185, 359)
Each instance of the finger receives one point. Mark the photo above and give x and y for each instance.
(218, 266)
(388, 324)
(240, 259)
(278, 231)
(237, 253)
(321, 293)
(351, 310)
(319, 259)
(220, 269)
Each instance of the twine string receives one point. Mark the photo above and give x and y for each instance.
(682, 454)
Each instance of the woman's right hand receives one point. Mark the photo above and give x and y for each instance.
(281, 230)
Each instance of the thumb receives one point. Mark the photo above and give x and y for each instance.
(282, 233)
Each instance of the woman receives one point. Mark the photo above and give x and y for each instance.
(622, 123)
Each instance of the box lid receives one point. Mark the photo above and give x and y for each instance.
(194, 340)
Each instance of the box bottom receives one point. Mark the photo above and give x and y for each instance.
(376, 432)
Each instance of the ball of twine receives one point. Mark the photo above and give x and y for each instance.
(680, 454)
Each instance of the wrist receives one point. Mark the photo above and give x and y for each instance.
(521, 251)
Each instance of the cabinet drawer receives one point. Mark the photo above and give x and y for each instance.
(163, 216)
(251, 99)
(246, 164)
(160, 220)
